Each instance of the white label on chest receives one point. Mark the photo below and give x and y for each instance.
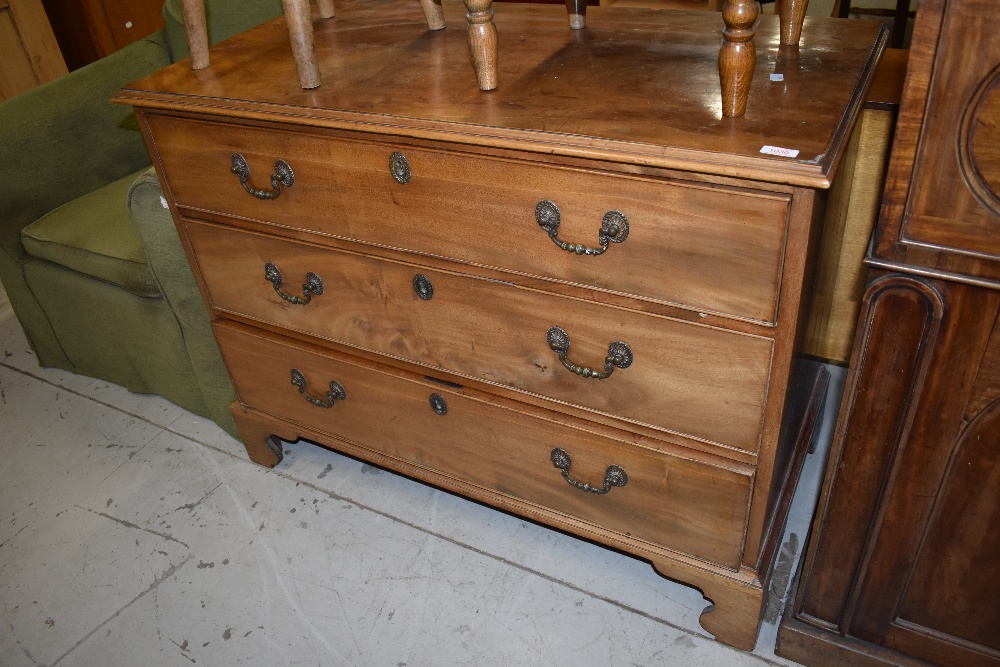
(780, 152)
(777, 77)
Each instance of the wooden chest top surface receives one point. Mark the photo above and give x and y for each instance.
(636, 86)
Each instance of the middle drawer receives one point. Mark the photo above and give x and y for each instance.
(684, 378)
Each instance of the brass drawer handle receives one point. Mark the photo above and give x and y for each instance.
(282, 176)
(336, 392)
(614, 476)
(619, 355)
(614, 229)
(313, 285)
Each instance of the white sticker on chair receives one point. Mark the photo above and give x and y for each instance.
(163, 201)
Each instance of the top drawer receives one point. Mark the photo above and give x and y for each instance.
(711, 249)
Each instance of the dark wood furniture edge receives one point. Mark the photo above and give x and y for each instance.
(859, 100)
(887, 242)
(886, 90)
(808, 417)
(821, 647)
(926, 272)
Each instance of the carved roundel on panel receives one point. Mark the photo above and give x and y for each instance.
(979, 142)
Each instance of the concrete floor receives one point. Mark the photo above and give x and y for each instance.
(133, 533)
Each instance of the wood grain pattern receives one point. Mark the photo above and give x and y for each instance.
(943, 592)
(300, 33)
(709, 249)
(196, 31)
(737, 56)
(791, 14)
(947, 207)
(17, 74)
(635, 133)
(482, 35)
(497, 333)
(131, 20)
(659, 104)
(949, 233)
(901, 316)
(902, 567)
(28, 48)
(901, 561)
(668, 501)
(88, 30)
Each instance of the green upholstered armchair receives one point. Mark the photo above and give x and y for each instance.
(89, 255)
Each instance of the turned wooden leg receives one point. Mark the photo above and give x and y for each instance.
(326, 9)
(433, 14)
(196, 29)
(738, 56)
(577, 10)
(300, 33)
(261, 435)
(791, 15)
(483, 42)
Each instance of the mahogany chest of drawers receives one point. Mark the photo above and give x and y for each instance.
(579, 298)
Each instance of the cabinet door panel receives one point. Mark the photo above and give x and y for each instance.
(949, 610)
(956, 193)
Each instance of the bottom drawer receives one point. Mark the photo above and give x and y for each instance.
(683, 505)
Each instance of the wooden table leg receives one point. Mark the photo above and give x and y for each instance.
(196, 29)
(738, 55)
(791, 15)
(577, 10)
(326, 9)
(300, 33)
(483, 42)
(433, 14)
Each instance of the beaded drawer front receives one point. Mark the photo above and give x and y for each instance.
(579, 297)
(440, 312)
(463, 434)
(669, 374)
(716, 250)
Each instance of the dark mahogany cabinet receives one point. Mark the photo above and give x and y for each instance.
(903, 563)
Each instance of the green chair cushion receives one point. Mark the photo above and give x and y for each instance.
(94, 235)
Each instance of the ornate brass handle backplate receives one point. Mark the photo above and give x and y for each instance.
(619, 355)
(614, 229)
(313, 285)
(282, 176)
(614, 476)
(336, 392)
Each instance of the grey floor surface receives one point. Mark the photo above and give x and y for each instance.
(133, 533)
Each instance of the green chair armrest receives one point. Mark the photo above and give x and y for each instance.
(65, 138)
(172, 273)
